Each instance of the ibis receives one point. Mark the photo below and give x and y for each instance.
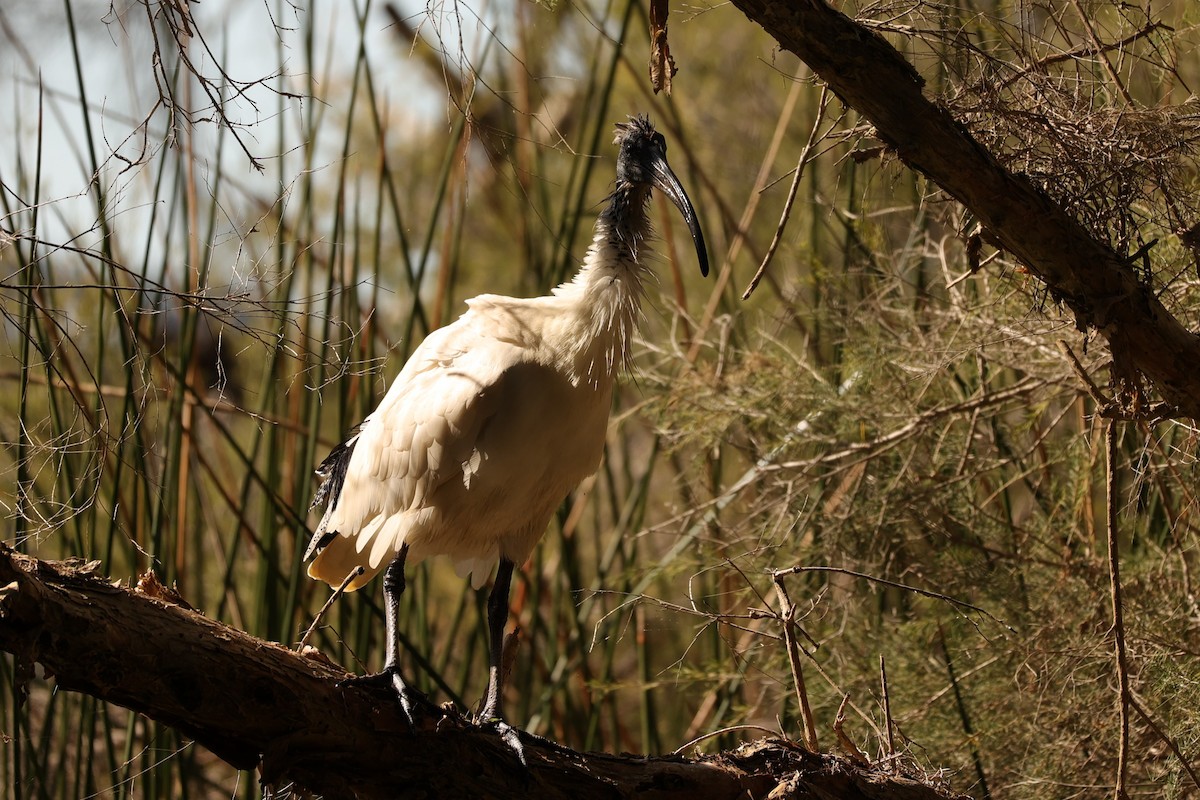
(493, 421)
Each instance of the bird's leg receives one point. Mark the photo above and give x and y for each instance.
(393, 588)
(497, 619)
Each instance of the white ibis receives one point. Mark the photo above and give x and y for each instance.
(494, 420)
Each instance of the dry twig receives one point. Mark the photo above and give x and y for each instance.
(1118, 618)
(787, 615)
(798, 173)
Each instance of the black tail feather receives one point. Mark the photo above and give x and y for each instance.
(318, 543)
(332, 473)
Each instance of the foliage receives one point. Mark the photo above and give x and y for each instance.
(209, 276)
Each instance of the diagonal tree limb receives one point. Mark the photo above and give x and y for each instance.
(1086, 275)
(259, 705)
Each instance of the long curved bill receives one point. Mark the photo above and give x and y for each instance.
(666, 182)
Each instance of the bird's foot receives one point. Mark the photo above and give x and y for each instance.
(508, 734)
(412, 702)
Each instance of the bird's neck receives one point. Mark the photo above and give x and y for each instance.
(609, 286)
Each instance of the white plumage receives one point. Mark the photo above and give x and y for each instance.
(473, 448)
(496, 417)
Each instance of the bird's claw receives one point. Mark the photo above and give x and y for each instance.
(508, 734)
(412, 702)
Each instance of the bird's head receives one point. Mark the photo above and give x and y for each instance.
(642, 161)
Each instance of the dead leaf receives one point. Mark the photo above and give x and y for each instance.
(662, 66)
(150, 585)
(847, 745)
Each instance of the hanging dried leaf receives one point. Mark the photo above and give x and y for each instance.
(662, 66)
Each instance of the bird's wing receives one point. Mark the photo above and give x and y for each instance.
(423, 433)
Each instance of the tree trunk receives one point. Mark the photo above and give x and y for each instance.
(259, 705)
(1085, 274)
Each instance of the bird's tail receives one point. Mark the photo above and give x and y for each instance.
(332, 472)
(371, 547)
(338, 560)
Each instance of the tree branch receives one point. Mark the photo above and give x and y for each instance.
(259, 705)
(1088, 276)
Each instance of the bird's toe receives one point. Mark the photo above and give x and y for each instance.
(508, 734)
(413, 703)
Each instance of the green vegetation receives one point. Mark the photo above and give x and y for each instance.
(203, 293)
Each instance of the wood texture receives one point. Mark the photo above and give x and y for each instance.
(259, 705)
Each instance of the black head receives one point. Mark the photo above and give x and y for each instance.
(642, 161)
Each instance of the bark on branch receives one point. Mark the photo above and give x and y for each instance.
(259, 705)
(1085, 274)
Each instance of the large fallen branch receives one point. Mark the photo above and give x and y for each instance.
(259, 705)
(1085, 274)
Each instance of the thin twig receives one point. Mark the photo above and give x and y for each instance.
(805, 154)
(1092, 388)
(887, 707)
(914, 426)
(679, 750)
(1102, 55)
(847, 744)
(1118, 623)
(317, 619)
(1083, 51)
(1138, 707)
(964, 716)
(742, 232)
(796, 570)
(787, 613)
